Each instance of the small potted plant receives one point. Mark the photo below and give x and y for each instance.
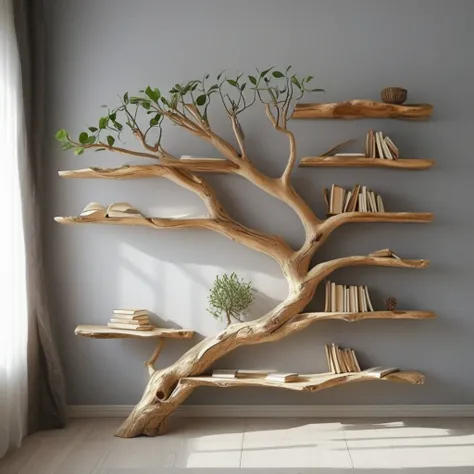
(230, 297)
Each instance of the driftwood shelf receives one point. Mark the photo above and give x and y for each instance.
(362, 162)
(308, 382)
(104, 332)
(358, 108)
(362, 316)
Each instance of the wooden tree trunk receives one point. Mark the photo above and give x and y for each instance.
(166, 389)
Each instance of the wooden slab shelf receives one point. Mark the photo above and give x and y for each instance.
(363, 162)
(308, 382)
(104, 332)
(361, 316)
(423, 217)
(359, 108)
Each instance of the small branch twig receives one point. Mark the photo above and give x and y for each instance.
(150, 363)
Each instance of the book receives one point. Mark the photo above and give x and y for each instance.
(372, 146)
(380, 206)
(356, 362)
(347, 201)
(282, 377)
(393, 149)
(333, 297)
(386, 149)
(362, 300)
(327, 199)
(367, 298)
(224, 373)
(352, 205)
(348, 360)
(146, 327)
(131, 312)
(378, 141)
(251, 373)
(128, 317)
(337, 199)
(94, 211)
(379, 372)
(384, 253)
(349, 154)
(130, 322)
(346, 299)
(332, 369)
(122, 209)
(339, 298)
(371, 201)
(334, 351)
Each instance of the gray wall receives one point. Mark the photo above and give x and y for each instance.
(100, 48)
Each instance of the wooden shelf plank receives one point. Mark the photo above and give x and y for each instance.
(423, 217)
(363, 162)
(104, 332)
(164, 223)
(150, 171)
(307, 382)
(360, 316)
(360, 108)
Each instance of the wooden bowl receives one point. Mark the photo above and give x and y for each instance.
(394, 95)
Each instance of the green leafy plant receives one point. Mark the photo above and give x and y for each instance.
(230, 297)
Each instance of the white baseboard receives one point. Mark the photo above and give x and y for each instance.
(285, 411)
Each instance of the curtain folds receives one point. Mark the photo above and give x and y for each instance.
(46, 392)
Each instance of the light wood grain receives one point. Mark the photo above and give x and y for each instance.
(360, 108)
(307, 382)
(362, 162)
(105, 332)
(361, 316)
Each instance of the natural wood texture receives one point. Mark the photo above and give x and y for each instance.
(362, 316)
(150, 363)
(105, 332)
(150, 171)
(308, 382)
(170, 386)
(362, 162)
(359, 108)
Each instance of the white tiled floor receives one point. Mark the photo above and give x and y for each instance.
(418, 446)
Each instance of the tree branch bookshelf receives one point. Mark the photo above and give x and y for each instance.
(170, 386)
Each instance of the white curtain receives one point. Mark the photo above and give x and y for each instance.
(13, 307)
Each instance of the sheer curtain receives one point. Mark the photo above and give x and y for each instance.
(13, 297)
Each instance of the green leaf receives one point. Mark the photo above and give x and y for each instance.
(165, 101)
(118, 126)
(93, 129)
(113, 116)
(67, 146)
(103, 122)
(110, 140)
(90, 140)
(61, 135)
(309, 78)
(201, 100)
(99, 149)
(79, 151)
(212, 88)
(317, 90)
(125, 97)
(253, 80)
(264, 73)
(232, 82)
(83, 137)
(278, 74)
(295, 81)
(155, 120)
(153, 94)
(242, 87)
(146, 105)
(220, 75)
(134, 100)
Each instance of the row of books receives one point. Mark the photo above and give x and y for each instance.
(347, 299)
(271, 375)
(359, 199)
(130, 319)
(378, 146)
(341, 361)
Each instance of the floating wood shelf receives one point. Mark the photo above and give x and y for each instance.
(358, 108)
(307, 382)
(360, 316)
(149, 171)
(164, 222)
(104, 332)
(363, 162)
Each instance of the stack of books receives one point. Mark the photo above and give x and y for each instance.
(199, 158)
(282, 377)
(359, 199)
(95, 211)
(347, 299)
(130, 319)
(341, 361)
(378, 146)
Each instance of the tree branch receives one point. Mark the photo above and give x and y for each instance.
(322, 270)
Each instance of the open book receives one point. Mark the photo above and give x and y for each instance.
(122, 209)
(387, 253)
